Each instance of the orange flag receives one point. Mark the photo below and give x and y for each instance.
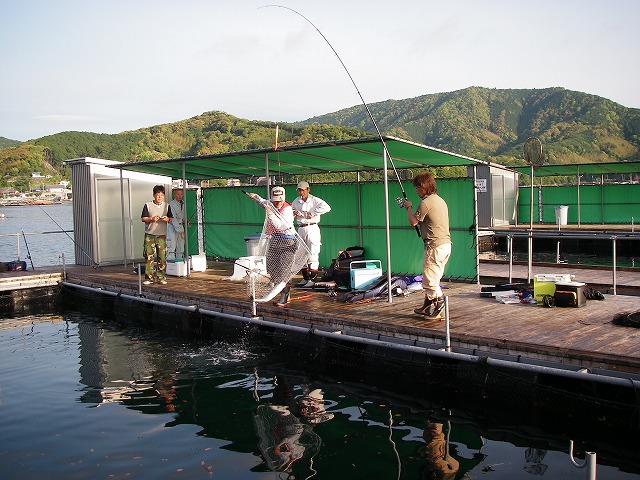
(275, 140)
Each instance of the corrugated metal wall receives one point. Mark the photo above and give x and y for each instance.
(357, 218)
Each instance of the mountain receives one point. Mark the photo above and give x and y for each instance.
(6, 142)
(492, 124)
(487, 124)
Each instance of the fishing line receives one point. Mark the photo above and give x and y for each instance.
(93, 264)
(366, 106)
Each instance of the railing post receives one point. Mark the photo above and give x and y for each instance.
(447, 339)
(510, 248)
(615, 259)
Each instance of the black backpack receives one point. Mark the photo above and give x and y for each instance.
(340, 266)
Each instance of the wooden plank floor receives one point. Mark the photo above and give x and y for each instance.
(574, 336)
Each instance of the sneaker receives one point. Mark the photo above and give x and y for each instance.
(147, 282)
(162, 282)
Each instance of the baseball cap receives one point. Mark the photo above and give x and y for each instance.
(304, 185)
(277, 194)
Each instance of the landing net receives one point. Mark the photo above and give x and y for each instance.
(285, 255)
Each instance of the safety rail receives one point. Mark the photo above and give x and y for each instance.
(531, 234)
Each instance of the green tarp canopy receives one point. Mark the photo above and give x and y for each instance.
(582, 169)
(351, 155)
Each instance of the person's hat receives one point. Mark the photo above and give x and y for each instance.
(302, 185)
(277, 194)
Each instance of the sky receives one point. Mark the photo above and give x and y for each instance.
(109, 66)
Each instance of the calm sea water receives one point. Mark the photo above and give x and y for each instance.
(83, 399)
(44, 235)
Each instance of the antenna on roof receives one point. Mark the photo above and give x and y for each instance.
(533, 154)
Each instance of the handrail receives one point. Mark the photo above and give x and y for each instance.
(614, 237)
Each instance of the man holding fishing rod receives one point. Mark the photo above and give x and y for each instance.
(432, 216)
(156, 215)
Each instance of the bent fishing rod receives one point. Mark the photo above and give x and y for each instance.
(28, 251)
(366, 106)
(93, 264)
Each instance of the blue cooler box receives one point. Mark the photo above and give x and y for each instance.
(365, 272)
(176, 267)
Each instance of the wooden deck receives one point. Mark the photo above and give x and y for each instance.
(576, 337)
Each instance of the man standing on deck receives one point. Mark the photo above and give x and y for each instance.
(307, 209)
(175, 229)
(432, 216)
(156, 215)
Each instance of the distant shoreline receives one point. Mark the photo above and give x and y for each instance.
(26, 203)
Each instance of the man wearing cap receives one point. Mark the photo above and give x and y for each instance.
(282, 243)
(307, 209)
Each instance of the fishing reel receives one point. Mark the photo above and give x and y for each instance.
(400, 202)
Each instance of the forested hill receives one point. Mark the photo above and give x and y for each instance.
(487, 124)
(5, 142)
(492, 124)
(209, 133)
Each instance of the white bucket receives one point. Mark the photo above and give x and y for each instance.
(561, 215)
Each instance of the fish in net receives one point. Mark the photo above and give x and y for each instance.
(284, 251)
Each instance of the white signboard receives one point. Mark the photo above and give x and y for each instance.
(481, 185)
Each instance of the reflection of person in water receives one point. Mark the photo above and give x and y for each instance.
(284, 438)
(439, 465)
(534, 465)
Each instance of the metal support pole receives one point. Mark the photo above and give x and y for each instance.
(614, 262)
(530, 255)
(510, 248)
(64, 269)
(185, 253)
(447, 345)
(139, 279)
(387, 227)
(475, 222)
(558, 252)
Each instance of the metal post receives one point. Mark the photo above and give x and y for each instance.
(446, 323)
(387, 228)
(185, 253)
(558, 252)
(64, 269)
(578, 196)
(475, 222)
(614, 265)
(591, 465)
(124, 227)
(530, 255)
(139, 279)
(510, 248)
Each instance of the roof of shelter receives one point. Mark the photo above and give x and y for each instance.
(572, 169)
(350, 155)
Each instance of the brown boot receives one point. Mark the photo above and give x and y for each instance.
(285, 297)
(438, 307)
(425, 309)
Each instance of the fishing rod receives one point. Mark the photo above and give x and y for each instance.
(366, 106)
(93, 264)
(28, 251)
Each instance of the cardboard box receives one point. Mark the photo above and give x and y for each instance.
(198, 263)
(545, 284)
(176, 267)
(363, 273)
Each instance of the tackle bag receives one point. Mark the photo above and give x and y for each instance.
(17, 266)
(378, 289)
(339, 271)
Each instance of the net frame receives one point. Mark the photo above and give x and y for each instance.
(285, 255)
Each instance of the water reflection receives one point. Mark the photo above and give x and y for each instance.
(284, 426)
(172, 406)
